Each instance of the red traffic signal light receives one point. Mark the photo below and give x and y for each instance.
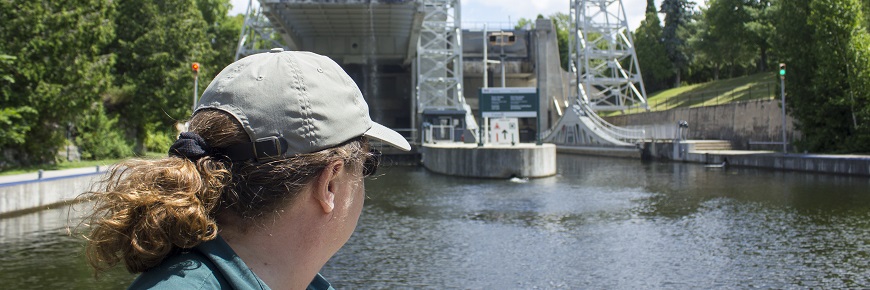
(195, 67)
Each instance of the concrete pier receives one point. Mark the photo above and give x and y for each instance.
(28, 192)
(686, 151)
(618, 152)
(491, 161)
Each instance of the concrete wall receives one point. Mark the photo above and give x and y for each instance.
(554, 82)
(35, 195)
(469, 160)
(740, 122)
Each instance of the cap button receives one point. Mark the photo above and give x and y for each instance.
(277, 49)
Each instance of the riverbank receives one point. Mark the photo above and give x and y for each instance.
(35, 191)
(688, 151)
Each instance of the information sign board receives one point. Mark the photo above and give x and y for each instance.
(509, 102)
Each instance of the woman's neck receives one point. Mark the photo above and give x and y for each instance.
(285, 253)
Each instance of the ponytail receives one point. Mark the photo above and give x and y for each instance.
(147, 209)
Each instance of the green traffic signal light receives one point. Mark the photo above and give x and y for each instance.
(782, 69)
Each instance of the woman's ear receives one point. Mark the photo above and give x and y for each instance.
(324, 187)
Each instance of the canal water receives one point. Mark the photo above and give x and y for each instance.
(601, 223)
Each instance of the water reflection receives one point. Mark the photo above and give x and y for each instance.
(600, 223)
(611, 223)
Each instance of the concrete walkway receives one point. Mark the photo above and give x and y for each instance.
(8, 180)
(22, 193)
(820, 163)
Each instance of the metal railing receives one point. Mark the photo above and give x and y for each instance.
(618, 133)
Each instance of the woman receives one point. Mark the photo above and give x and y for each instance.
(265, 187)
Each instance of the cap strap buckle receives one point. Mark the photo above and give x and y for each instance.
(269, 148)
(262, 150)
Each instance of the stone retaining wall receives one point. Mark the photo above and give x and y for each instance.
(739, 122)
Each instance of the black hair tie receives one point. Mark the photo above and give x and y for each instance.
(191, 146)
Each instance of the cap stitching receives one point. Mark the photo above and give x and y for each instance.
(308, 134)
(231, 75)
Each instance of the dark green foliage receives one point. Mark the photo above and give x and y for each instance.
(156, 42)
(562, 23)
(826, 50)
(760, 30)
(677, 13)
(13, 122)
(60, 70)
(651, 53)
(62, 61)
(727, 35)
(99, 137)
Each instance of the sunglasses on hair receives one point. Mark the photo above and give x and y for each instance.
(370, 165)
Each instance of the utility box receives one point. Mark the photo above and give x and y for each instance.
(446, 126)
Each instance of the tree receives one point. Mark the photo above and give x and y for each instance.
(60, 70)
(727, 33)
(826, 50)
(651, 53)
(841, 53)
(562, 24)
(223, 32)
(676, 16)
(157, 41)
(760, 29)
(525, 23)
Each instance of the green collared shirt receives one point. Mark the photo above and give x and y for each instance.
(211, 265)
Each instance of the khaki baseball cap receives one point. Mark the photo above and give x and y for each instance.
(292, 102)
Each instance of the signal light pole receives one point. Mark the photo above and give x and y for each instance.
(195, 67)
(782, 90)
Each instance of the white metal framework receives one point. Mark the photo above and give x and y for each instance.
(439, 57)
(608, 75)
(257, 33)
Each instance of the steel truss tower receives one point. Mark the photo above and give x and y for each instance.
(257, 33)
(608, 75)
(439, 57)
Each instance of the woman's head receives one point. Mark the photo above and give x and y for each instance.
(267, 127)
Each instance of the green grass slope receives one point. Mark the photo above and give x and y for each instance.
(752, 87)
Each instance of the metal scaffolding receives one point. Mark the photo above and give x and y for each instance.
(603, 55)
(439, 57)
(257, 34)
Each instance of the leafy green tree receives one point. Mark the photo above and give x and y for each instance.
(859, 94)
(760, 29)
(826, 49)
(727, 33)
(98, 136)
(562, 24)
(525, 23)
(651, 53)
(676, 16)
(840, 62)
(5, 67)
(12, 130)
(157, 41)
(703, 46)
(223, 33)
(60, 70)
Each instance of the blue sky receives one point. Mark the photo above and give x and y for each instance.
(476, 12)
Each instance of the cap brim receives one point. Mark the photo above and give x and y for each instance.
(387, 135)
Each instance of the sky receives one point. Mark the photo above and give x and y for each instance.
(477, 12)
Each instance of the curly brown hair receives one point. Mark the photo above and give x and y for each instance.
(145, 210)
